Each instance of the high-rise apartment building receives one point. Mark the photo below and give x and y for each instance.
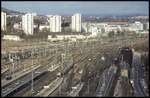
(28, 24)
(55, 23)
(76, 22)
(3, 21)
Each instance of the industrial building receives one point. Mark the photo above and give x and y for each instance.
(55, 23)
(3, 21)
(76, 22)
(66, 37)
(28, 23)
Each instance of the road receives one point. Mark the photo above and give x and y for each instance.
(105, 82)
(138, 75)
(18, 83)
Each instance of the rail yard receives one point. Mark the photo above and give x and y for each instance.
(81, 68)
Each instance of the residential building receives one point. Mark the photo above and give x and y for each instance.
(136, 26)
(28, 24)
(3, 21)
(114, 28)
(34, 14)
(86, 27)
(55, 23)
(95, 31)
(17, 26)
(91, 27)
(76, 22)
(35, 26)
(44, 26)
(146, 26)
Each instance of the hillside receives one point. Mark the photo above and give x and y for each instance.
(10, 12)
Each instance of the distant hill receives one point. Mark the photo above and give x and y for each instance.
(10, 12)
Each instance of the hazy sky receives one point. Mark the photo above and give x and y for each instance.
(85, 8)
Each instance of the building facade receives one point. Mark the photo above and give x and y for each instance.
(17, 26)
(28, 24)
(66, 37)
(3, 21)
(76, 22)
(146, 26)
(55, 23)
(136, 26)
(44, 27)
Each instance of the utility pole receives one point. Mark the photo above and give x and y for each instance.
(88, 87)
(60, 90)
(81, 47)
(23, 58)
(91, 47)
(9, 65)
(32, 73)
(62, 59)
(45, 51)
(65, 50)
(13, 65)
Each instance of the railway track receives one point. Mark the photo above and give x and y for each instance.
(22, 64)
(14, 83)
(38, 84)
(5, 64)
(105, 83)
(45, 80)
(76, 91)
(13, 88)
(23, 73)
(51, 70)
(79, 60)
(51, 87)
(4, 70)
